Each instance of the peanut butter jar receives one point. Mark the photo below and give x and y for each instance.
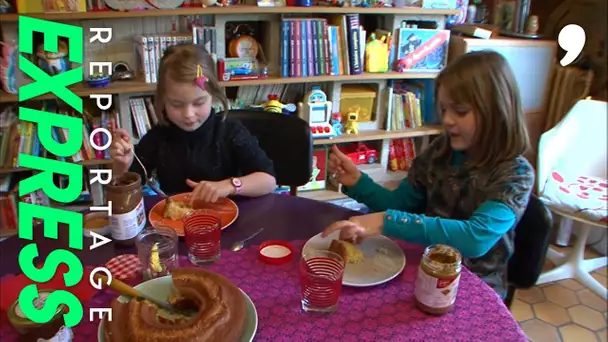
(31, 331)
(438, 278)
(128, 213)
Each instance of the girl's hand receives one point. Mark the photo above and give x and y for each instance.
(357, 227)
(344, 169)
(209, 192)
(121, 150)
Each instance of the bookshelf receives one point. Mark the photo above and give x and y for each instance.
(381, 135)
(236, 9)
(140, 86)
(127, 24)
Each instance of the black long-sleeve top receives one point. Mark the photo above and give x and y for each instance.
(218, 150)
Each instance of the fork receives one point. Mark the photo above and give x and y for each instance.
(150, 181)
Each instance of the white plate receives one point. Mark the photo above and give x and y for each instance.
(160, 288)
(383, 261)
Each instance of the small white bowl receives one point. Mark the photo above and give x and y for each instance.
(105, 230)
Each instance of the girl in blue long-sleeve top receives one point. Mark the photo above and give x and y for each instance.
(470, 187)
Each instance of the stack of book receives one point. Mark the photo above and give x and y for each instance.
(321, 47)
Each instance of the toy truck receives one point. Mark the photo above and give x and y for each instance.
(362, 154)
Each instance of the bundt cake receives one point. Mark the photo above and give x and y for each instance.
(220, 312)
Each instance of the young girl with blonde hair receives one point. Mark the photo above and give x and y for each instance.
(193, 148)
(470, 187)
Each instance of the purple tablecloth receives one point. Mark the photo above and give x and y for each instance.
(385, 312)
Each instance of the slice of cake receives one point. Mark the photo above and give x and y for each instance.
(348, 251)
(176, 210)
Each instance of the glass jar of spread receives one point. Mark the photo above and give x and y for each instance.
(438, 278)
(31, 331)
(128, 214)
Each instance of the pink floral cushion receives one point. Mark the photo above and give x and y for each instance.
(582, 196)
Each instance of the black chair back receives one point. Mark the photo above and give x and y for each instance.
(286, 139)
(532, 235)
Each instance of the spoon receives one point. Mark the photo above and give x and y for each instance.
(240, 244)
(128, 291)
(150, 181)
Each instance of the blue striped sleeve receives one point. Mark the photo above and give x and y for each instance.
(473, 237)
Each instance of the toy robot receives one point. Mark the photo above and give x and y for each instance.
(352, 126)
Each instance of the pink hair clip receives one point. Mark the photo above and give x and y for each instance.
(200, 77)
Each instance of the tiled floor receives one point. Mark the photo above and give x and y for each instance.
(563, 311)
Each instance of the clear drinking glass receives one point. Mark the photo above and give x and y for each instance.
(166, 240)
(321, 274)
(202, 232)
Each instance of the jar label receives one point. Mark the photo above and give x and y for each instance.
(436, 293)
(38, 304)
(63, 335)
(126, 226)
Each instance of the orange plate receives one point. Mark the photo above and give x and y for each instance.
(225, 207)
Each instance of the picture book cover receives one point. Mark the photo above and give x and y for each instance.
(319, 171)
(422, 49)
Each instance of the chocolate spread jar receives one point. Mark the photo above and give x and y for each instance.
(438, 278)
(128, 215)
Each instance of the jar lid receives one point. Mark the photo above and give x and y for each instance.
(275, 252)
(21, 323)
(124, 267)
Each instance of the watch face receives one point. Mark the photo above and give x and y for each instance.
(236, 182)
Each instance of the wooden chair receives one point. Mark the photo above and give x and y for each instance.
(286, 139)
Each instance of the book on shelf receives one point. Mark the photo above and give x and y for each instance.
(205, 36)
(151, 48)
(143, 115)
(21, 137)
(9, 202)
(322, 47)
(406, 111)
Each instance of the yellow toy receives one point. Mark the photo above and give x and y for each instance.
(376, 54)
(273, 105)
(352, 126)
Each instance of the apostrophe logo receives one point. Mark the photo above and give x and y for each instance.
(572, 40)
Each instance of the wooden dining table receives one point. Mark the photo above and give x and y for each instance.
(384, 312)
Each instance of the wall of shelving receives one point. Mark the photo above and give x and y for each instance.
(126, 25)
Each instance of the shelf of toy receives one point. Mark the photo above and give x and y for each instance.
(139, 86)
(92, 162)
(83, 90)
(237, 9)
(378, 134)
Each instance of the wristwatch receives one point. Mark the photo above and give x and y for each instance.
(237, 185)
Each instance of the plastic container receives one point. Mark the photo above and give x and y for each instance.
(438, 278)
(275, 252)
(353, 98)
